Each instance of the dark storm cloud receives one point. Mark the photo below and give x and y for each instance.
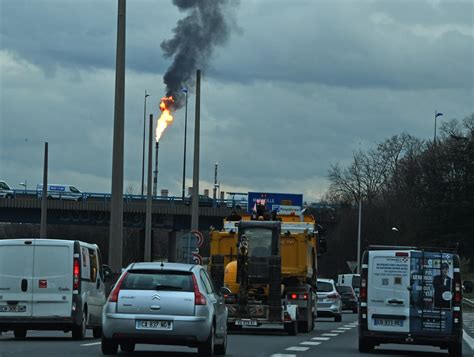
(194, 40)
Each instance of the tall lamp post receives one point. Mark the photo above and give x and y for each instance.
(185, 90)
(24, 185)
(143, 153)
(436, 115)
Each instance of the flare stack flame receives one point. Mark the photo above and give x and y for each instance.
(166, 118)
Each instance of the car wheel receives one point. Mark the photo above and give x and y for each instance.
(292, 328)
(128, 347)
(455, 349)
(79, 331)
(19, 333)
(97, 332)
(109, 347)
(222, 348)
(365, 346)
(338, 318)
(207, 347)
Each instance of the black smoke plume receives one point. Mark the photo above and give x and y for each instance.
(195, 36)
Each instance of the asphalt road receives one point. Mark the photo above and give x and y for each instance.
(338, 339)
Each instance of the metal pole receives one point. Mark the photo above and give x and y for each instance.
(358, 235)
(434, 141)
(155, 177)
(185, 135)
(147, 255)
(143, 151)
(44, 198)
(116, 204)
(195, 196)
(214, 191)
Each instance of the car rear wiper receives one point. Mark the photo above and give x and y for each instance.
(168, 287)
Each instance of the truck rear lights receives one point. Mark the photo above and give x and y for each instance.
(293, 296)
(113, 297)
(76, 274)
(199, 298)
(305, 296)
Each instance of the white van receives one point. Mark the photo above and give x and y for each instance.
(352, 280)
(411, 295)
(50, 284)
(5, 190)
(64, 192)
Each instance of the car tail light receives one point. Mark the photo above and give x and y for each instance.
(199, 298)
(76, 274)
(113, 297)
(401, 254)
(333, 296)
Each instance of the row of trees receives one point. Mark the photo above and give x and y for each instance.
(424, 189)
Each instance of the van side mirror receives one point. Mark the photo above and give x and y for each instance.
(467, 286)
(107, 272)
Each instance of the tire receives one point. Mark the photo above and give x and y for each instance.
(455, 349)
(79, 331)
(365, 346)
(292, 328)
(20, 333)
(338, 318)
(109, 347)
(221, 349)
(127, 347)
(97, 332)
(207, 347)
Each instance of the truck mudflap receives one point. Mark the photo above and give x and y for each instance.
(292, 310)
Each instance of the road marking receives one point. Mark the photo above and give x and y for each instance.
(91, 344)
(301, 349)
(338, 331)
(330, 334)
(469, 340)
(282, 355)
(310, 343)
(321, 338)
(345, 328)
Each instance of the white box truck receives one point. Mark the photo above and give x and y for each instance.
(51, 284)
(411, 295)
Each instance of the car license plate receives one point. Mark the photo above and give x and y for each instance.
(388, 322)
(246, 322)
(12, 308)
(154, 325)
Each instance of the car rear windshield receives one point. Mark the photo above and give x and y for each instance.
(324, 287)
(170, 280)
(344, 289)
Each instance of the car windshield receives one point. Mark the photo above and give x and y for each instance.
(324, 287)
(158, 280)
(355, 281)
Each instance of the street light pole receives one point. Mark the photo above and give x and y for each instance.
(185, 135)
(436, 115)
(143, 150)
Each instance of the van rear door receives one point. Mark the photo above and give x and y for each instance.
(52, 283)
(16, 272)
(388, 294)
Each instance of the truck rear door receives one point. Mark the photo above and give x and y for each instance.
(52, 283)
(16, 273)
(388, 294)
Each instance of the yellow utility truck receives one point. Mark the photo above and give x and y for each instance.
(270, 267)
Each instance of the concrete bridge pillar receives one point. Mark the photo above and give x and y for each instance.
(172, 246)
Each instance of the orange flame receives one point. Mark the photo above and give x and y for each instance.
(166, 118)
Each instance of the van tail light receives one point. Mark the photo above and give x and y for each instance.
(113, 297)
(199, 298)
(456, 316)
(363, 285)
(457, 289)
(76, 274)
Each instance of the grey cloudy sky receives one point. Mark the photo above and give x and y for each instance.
(298, 86)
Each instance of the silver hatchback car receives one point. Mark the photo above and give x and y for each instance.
(329, 300)
(165, 303)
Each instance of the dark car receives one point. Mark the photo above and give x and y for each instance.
(348, 298)
(204, 201)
